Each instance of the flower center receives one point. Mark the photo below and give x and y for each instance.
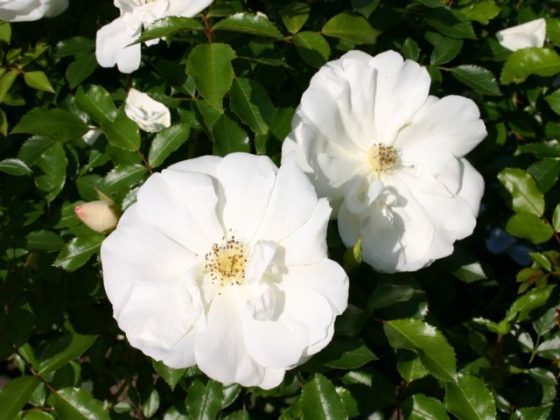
(226, 263)
(382, 158)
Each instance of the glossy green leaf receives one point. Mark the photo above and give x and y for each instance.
(550, 348)
(312, 48)
(229, 137)
(470, 399)
(204, 400)
(410, 366)
(80, 69)
(169, 375)
(64, 350)
(251, 103)
(14, 167)
(530, 61)
(422, 407)
(15, 395)
(77, 404)
(525, 194)
(345, 353)
(553, 101)
(169, 26)
(122, 132)
(449, 22)
(5, 32)
(6, 82)
(38, 80)
(477, 78)
(529, 226)
(527, 303)
(166, 142)
(483, 11)
(78, 251)
(294, 15)
(431, 346)
(445, 49)
(56, 124)
(97, 103)
(545, 172)
(319, 400)
(249, 23)
(350, 27)
(210, 67)
(43, 240)
(123, 178)
(52, 163)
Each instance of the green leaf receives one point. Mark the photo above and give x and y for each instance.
(365, 7)
(556, 218)
(431, 346)
(350, 27)
(546, 173)
(553, 101)
(74, 46)
(483, 11)
(204, 402)
(38, 80)
(249, 23)
(229, 137)
(528, 226)
(56, 124)
(166, 142)
(450, 23)
(345, 353)
(78, 251)
(249, 100)
(533, 413)
(5, 32)
(294, 15)
(319, 400)
(422, 407)
(210, 67)
(470, 399)
(313, 48)
(53, 163)
(169, 26)
(550, 348)
(392, 291)
(122, 132)
(530, 61)
(77, 404)
(6, 82)
(64, 350)
(14, 167)
(410, 366)
(525, 194)
(523, 306)
(80, 69)
(477, 78)
(15, 395)
(410, 49)
(123, 178)
(97, 103)
(170, 376)
(43, 240)
(445, 49)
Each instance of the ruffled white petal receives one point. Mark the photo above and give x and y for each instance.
(186, 8)
(527, 35)
(150, 115)
(112, 46)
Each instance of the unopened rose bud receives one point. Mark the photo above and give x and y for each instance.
(97, 215)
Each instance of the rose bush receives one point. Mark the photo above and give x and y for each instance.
(167, 170)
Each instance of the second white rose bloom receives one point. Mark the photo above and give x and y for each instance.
(150, 115)
(390, 158)
(30, 10)
(222, 263)
(527, 35)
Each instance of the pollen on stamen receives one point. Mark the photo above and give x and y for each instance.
(225, 263)
(382, 158)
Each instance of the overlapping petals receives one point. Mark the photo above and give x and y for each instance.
(390, 158)
(222, 263)
(30, 10)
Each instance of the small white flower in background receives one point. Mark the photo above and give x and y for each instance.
(99, 215)
(30, 10)
(222, 263)
(150, 115)
(526, 35)
(390, 158)
(113, 43)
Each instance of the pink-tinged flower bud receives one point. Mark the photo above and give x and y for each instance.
(97, 215)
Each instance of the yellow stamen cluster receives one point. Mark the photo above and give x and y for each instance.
(226, 263)
(382, 158)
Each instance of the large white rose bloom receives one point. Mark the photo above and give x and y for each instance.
(527, 35)
(29, 10)
(222, 263)
(390, 158)
(113, 43)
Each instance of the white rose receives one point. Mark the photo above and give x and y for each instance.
(526, 35)
(113, 43)
(222, 263)
(390, 158)
(150, 115)
(29, 10)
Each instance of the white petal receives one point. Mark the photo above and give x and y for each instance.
(349, 226)
(291, 203)
(472, 187)
(186, 8)
(247, 182)
(111, 46)
(326, 278)
(150, 115)
(182, 353)
(261, 257)
(183, 206)
(526, 35)
(308, 244)
(272, 378)
(55, 7)
(450, 124)
(220, 350)
(207, 165)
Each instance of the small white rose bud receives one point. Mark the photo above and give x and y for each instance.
(97, 215)
(527, 35)
(150, 115)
